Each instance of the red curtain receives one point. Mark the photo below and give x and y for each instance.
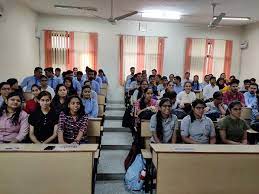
(160, 55)
(93, 49)
(188, 50)
(228, 57)
(140, 53)
(48, 48)
(121, 60)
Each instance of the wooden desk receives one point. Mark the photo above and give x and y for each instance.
(30, 170)
(206, 169)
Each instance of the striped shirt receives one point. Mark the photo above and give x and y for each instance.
(71, 127)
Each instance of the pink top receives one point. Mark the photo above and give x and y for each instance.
(9, 131)
(137, 104)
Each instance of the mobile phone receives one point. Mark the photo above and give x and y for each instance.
(49, 148)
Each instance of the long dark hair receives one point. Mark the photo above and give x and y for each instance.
(140, 91)
(197, 86)
(80, 112)
(232, 104)
(194, 104)
(101, 71)
(57, 97)
(142, 103)
(159, 125)
(71, 89)
(16, 115)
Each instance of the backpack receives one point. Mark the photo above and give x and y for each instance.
(132, 179)
(128, 120)
(146, 115)
(134, 151)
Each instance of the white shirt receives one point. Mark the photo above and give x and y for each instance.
(183, 97)
(208, 91)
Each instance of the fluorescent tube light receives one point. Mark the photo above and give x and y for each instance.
(162, 14)
(235, 18)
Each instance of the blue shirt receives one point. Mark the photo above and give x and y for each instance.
(99, 80)
(196, 86)
(54, 81)
(82, 81)
(95, 86)
(85, 77)
(249, 99)
(104, 79)
(29, 81)
(178, 89)
(77, 86)
(91, 107)
(255, 111)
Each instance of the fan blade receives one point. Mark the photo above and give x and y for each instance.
(125, 16)
(76, 7)
(216, 21)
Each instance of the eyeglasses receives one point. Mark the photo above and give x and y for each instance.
(200, 108)
(237, 109)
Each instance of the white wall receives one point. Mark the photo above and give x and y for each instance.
(18, 45)
(108, 42)
(250, 56)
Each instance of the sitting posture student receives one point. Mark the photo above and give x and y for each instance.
(76, 85)
(43, 122)
(163, 85)
(69, 85)
(206, 81)
(58, 102)
(29, 81)
(58, 73)
(13, 120)
(52, 80)
(14, 86)
(210, 89)
(5, 89)
(139, 92)
(178, 86)
(246, 85)
(90, 104)
(79, 78)
(102, 76)
(250, 96)
(164, 124)
(216, 105)
(232, 127)
(73, 122)
(94, 84)
(186, 97)
(196, 87)
(93, 93)
(197, 128)
(97, 79)
(32, 104)
(152, 84)
(172, 96)
(169, 88)
(221, 83)
(186, 78)
(233, 94)
(44, 86)
(255, 113)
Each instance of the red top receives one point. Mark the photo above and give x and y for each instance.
(31, 106)
(230, 96)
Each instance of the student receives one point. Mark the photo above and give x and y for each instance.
(52, 80)
(93, 93)
(163, 85)
(13, 120)
(32, 104)
(102, 76)
(58, 73)
(139, 92)
(216, 105)
(76, 84)
(14, 85)
(154, 72)
(98, 79)
(171, 77)
(152, 84)
(210, 89)
(250, 96)
(164, 124)
(90, 104)
(43, 122)
(44, 86)
(172, 96)
(132, 73)
(221, 83)
(75, 70)
(144, 75)
(73, 122)
(94, 84)
(186, 97)
(79, 78)
(233, 94)
(135, 83)
(169, 88)
(158, 79)
(5, 89)
(29, 81)
(197, 128)
(255, 113)
(206, 81)
(178, 86)
(232, 127)
(69, 85)
(58, 102)
(253, 80)
(186, 78)
(196, 87)
(246, 85)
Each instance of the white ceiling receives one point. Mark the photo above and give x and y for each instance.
(195, 11)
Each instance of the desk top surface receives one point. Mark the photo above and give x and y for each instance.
(188, 148)
(53, 147)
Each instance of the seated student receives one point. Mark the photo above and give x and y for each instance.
(139, 92)
(216, 105)
(171, 77)
(196, 128)
(94, 84)
(13, 120)
(206, 81)
(14, 86)
(253, 80)
(132, 73)
(196, 87)
(75, 71)
(52, 80)
(246, 85)
(135, 83)
(250, 96)
(163, 85)
(210, 89)
(79, 78)
(172, 96)
(76, 84)
(32, 104)
(90, 104)
(164, 124)
(93, 93)
(58, 73)
(45, 87)
(221, 83)
(29, 81)
(233, 94)
(102, 76)
(69, 85)
(158, 79)
(98, 79)
(232, 127)
(5, 90)
(255, 113)
(58, 102)
(169, 88)
(186, 78)
(73, 122)
(177, 84)
(43, 122)
(152, 84)
(186, 97)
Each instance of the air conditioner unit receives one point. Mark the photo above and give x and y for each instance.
(244, 45)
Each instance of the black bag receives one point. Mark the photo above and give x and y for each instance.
(179, 113)
(146, 115)
(128, 120)
(213, 115)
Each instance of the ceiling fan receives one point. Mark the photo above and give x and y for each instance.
(215, 19)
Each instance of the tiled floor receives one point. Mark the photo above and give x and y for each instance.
(114, 113)
(112, 124)
(117, 138)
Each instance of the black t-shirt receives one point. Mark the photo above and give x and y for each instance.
(43, 124)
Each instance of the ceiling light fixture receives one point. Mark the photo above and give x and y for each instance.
(235, 18)
(171, 15)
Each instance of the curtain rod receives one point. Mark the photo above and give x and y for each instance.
(141, 35)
